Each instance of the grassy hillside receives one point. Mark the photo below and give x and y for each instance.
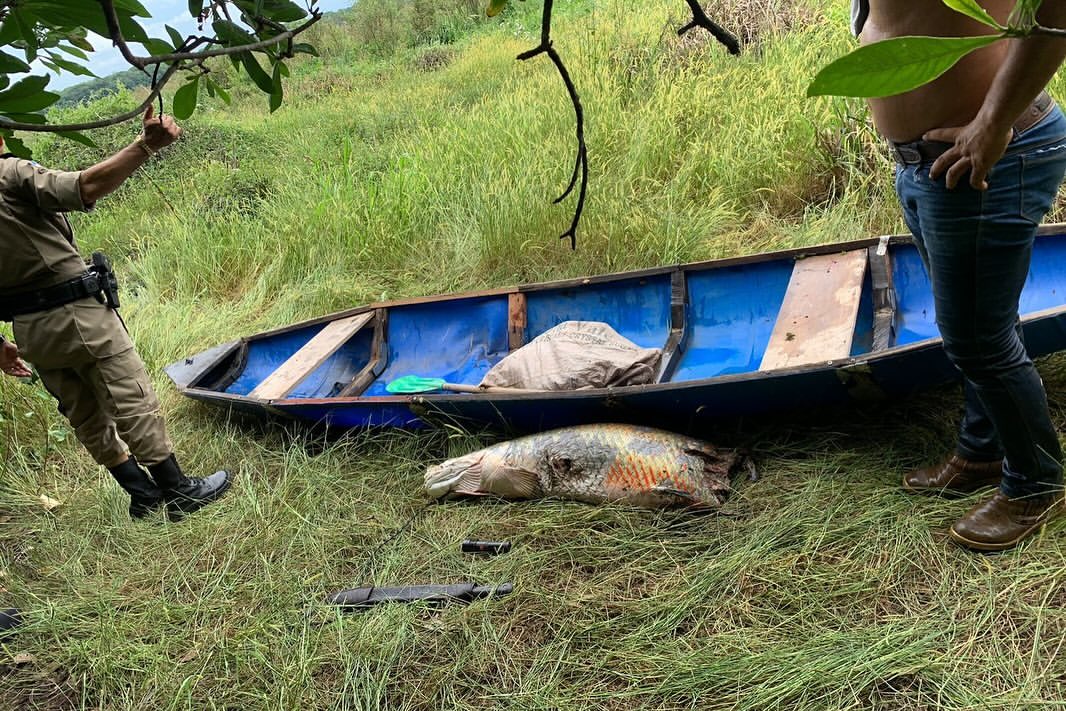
(416, 156)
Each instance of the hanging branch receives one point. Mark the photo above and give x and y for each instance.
(581, 163)
(700, 19)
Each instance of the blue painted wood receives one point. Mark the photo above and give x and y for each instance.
(638, 309)
(731, 314)
(457, 340)
(915, 315)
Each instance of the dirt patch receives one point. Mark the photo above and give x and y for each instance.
(433, 59)
(750, 21)
(26, 684)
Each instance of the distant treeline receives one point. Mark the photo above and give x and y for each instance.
(129, 79)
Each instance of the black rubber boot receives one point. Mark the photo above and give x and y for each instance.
(182, 494)
(9, 620)
(145, 496)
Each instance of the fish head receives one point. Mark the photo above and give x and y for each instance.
(504, 471)
(458, 476)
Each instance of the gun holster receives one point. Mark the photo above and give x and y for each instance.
(101, 266)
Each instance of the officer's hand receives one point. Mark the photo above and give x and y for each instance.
(159, 132)
(10, 362)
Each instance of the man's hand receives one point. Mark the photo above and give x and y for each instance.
(977, 148)
(10, 362)
(102, 179)
(159, 132)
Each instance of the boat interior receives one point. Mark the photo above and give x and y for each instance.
(720, 318)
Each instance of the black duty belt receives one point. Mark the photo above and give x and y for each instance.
(98, 282)
(917, 152)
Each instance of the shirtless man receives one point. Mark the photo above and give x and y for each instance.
(980, 154)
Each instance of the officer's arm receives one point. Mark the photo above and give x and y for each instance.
(105, 177)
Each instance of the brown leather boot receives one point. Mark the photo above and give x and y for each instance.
(954, 477)
(1001, 523)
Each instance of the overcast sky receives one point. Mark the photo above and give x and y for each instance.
(106, 60)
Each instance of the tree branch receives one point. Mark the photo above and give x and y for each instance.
(175, 60)
(101, 123)
(141, 62)
(700, 19)
(581, 163)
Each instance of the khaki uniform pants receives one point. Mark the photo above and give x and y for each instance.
(87, 361)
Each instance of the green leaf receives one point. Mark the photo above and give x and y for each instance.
(37, 102)
(28, 86)
(1024, 14)
(69, 66)
(26, 33)
(82, 43)
(78, 138)
(9, 31)
(68, 14)
(970, 8)
(495, 6)
(132, 7)
(232, 34)
(185, 99)
(73, 51)
(26, 118)
(893, 66)
(222, 94)
(304, 48)
(277, 95)
(16, 146)
(176, 37)
(27, 96)
(196, 7)
(12, 65)
(157, 47)
(276, 10)
(256, 72)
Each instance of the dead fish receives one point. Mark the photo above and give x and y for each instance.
(639, 466)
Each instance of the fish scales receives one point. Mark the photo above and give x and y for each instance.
(634, 465)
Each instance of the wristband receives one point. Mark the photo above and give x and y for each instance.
(144, 146)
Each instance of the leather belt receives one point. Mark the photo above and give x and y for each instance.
(916, 152)
(88, 285)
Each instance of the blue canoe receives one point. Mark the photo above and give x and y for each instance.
(817, 326)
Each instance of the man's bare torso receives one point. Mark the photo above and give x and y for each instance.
(954, 98)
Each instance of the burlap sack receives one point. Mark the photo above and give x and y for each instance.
(576, 355)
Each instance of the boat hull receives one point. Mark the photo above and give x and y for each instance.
(232, 375)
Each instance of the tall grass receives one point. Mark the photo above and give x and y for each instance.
(426, 163)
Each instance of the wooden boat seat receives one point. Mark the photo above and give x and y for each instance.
(306, 360)
(817, 318)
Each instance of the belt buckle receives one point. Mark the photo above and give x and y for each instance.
(907, 153)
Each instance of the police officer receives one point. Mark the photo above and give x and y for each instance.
(65, 324)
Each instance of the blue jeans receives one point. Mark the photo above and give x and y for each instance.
(977, 246)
